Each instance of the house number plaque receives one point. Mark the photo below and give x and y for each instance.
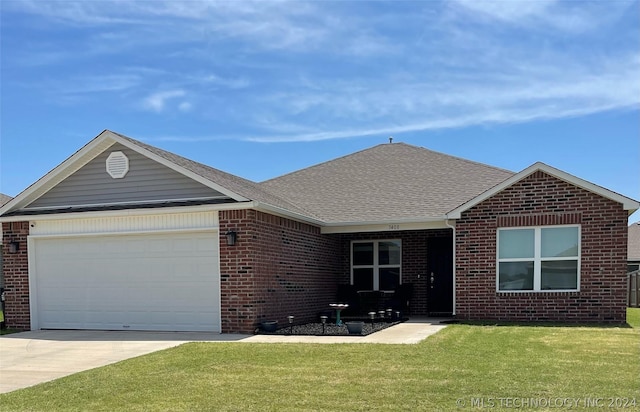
(394, 227)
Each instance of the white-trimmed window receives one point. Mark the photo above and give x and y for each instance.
(543, 258)
(376, 264)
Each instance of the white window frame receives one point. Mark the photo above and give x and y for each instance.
(376, 266)
(537, 259)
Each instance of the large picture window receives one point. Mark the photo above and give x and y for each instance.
(376, 264)
(539, 258)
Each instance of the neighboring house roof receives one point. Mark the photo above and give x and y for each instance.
(4, 198)
(389, 182)
(633, 243)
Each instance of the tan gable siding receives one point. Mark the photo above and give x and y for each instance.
(146, 180)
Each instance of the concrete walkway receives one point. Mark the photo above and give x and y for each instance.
(29, 358)
(413, 331)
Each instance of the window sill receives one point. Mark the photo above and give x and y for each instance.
(538, 292)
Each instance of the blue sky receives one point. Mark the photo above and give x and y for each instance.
(259, 89)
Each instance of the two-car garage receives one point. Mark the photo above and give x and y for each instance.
(153, 273)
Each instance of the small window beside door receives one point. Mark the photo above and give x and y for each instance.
(376, 264)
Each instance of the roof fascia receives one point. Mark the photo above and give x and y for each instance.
(384, 226)
(627, 203)
(72, 164)
(278, 211)
(129, 212)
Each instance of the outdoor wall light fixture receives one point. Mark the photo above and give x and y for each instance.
(14, 247)
(232, 237)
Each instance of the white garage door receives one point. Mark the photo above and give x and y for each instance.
(166, 282)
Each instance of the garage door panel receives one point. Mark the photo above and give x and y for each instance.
(130, 282)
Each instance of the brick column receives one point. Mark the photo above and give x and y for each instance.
(16, 275)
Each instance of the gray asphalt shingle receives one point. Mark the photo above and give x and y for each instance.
(387, 182)
(233, 183)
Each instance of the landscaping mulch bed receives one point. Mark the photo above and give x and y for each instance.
(330, 329)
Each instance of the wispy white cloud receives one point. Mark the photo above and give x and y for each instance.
(300, 71)
(157, 101)
(185, 106)
(519, 95)
(568, 16)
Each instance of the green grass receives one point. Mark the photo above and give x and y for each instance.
(461, 362)
(633, 317)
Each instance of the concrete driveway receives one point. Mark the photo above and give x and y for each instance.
(29, 358)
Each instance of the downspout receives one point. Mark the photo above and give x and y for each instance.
(453, 270)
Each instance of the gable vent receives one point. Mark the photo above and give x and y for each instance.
(117, 165)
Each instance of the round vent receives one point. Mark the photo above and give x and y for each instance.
(117, 165)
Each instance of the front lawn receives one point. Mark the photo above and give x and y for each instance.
(461, 367)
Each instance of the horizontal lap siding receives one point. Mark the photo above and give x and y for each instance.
(538, 200)
(278, 267)
(147, 180)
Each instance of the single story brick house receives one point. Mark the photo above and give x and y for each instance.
(126, 236)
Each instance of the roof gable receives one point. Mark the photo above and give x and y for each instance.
(388, 182)
(220, 183)
(143, 180)
(627, 203)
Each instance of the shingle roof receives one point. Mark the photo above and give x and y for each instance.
(387, 182)
(4, 198)
(238, 185)
(633, 243)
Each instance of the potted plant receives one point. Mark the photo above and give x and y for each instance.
(269, 325)
(354, 327)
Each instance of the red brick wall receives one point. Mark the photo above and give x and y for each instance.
(539, 200)
(279, 267)
(16, 276)
(414, 260)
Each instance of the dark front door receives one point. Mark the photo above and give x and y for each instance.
(440, 276)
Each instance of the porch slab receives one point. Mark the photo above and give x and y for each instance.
(410, 332)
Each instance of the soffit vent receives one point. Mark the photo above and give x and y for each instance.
(117, 165)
